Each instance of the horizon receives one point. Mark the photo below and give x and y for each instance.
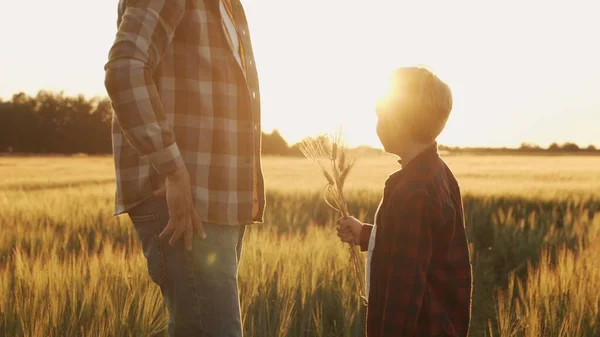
(533, 81)
(531, 146)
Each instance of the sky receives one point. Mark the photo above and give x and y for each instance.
(520, 71)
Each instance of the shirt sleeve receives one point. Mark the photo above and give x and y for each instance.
(365, 236)
(409, 262)
(145, 31)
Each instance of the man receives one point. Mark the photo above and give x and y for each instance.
(186, 139)
(419, 269)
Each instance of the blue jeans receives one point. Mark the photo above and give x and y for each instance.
(200, 286)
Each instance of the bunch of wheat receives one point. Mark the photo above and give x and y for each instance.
(333, 160)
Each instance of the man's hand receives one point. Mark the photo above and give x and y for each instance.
(183, 218)
(349, 230)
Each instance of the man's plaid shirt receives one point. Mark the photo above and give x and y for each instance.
(180, 98)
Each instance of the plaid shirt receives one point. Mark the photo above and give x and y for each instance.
(180, 98)
(420, 268)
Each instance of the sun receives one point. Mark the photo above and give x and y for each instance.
(359, 118)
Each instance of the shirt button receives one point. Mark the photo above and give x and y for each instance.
(254, 94)
(256, 127)
(243, 32)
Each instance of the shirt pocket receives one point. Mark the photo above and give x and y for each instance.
(148, 229)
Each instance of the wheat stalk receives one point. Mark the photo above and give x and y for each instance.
(332, 158)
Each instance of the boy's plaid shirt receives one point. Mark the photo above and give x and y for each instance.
(421, 274)
(180, 98)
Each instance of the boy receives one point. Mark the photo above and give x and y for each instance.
(419, 268)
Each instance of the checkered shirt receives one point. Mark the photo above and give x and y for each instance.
(421, 273)
(181, 99)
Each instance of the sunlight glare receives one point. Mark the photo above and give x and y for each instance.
(211, 258)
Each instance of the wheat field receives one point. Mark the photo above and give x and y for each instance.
(69, 268)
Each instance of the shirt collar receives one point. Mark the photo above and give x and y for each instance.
(418, 162)
(428, 152)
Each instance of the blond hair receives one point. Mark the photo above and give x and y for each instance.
(422, 101)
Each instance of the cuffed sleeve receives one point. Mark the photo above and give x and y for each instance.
(166, 160)
(365, 235)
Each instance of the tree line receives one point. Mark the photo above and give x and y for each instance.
(553, 148)
(53, 123)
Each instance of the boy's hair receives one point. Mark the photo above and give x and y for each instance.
(422, 101)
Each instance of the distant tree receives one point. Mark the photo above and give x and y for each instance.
(591, 148)
(529, 147)
(295, 151)
(570, 147)
(18, 124)
(554, 147)
(4, 126)
(274, 144)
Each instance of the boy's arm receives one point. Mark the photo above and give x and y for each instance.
(365, 235)
(409, 263)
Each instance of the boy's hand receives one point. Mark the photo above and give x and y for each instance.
(349, 230)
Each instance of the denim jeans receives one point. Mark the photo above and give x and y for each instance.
(200, 286)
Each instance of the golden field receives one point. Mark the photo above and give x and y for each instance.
(69, 268)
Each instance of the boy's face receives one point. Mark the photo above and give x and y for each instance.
(391, 131)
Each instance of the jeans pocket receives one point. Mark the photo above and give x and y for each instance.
(148, 230)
